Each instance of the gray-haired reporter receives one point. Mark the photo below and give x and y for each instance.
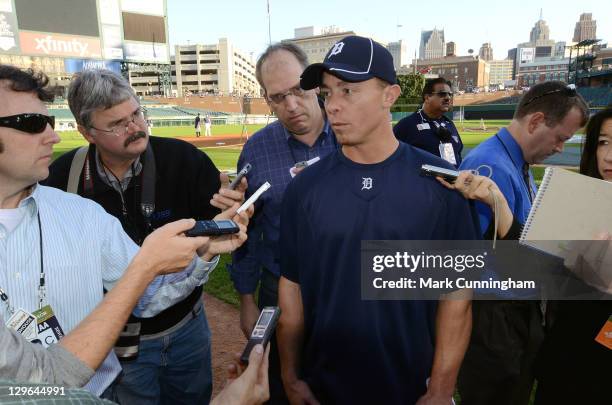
(145, 182)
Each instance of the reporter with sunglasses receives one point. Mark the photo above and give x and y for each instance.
(428, 128)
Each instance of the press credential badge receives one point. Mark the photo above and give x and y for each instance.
(49, 329)
(23, 323)
(447, 153)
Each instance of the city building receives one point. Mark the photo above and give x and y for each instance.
(432, 44)
(541, 58)
(586, 28)
(399, 53)
(539, 45)
(512, 55)
(531, 73)
(486, 51)
(500, 71)
(213, 69)
(540, 31)
(464, 72)
(316, 43)
(451, 49)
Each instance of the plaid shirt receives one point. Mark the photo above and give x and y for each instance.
(272, 151)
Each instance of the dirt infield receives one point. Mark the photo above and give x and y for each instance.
(215, 140)
(227, 338)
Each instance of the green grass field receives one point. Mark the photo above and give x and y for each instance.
(225, 158)
(220, 284)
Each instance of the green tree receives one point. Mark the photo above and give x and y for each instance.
(412, 85)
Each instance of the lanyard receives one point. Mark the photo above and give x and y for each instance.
(41, 281)
(119, 185)
(437, 124)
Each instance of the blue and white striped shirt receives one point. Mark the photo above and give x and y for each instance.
(85, 249)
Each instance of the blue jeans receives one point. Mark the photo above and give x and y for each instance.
(172, 369)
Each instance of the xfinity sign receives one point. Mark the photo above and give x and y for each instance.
(59, 45)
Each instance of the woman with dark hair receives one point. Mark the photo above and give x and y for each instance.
(597, 152)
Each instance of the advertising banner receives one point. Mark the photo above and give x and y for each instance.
(79, 65)
(8, 33)
(40, 43)
(527, 55)
(144, 52)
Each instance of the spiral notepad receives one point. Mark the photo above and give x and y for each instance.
(568, 206)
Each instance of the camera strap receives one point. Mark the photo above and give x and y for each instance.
(147, 196)
(75, 169)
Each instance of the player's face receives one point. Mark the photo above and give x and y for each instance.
(355, 110)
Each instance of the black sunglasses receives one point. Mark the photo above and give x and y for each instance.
(569, 91)
(30, 123)
(443, 94)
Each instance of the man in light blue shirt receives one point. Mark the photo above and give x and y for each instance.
(59, 249)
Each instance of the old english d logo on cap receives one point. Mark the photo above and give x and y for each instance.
(336, 49)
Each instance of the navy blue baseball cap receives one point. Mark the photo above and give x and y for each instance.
(352, 59)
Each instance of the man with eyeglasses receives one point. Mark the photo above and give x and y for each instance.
(276, 153)
(499, 364)
(145, 182)
(429, 129)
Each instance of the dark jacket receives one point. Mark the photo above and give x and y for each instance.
(186, 181)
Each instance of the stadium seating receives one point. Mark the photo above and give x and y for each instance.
(597, 96)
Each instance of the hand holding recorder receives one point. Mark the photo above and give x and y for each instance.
(227, 232)
(229, 193)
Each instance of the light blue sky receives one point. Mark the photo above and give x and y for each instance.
(469, 23)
